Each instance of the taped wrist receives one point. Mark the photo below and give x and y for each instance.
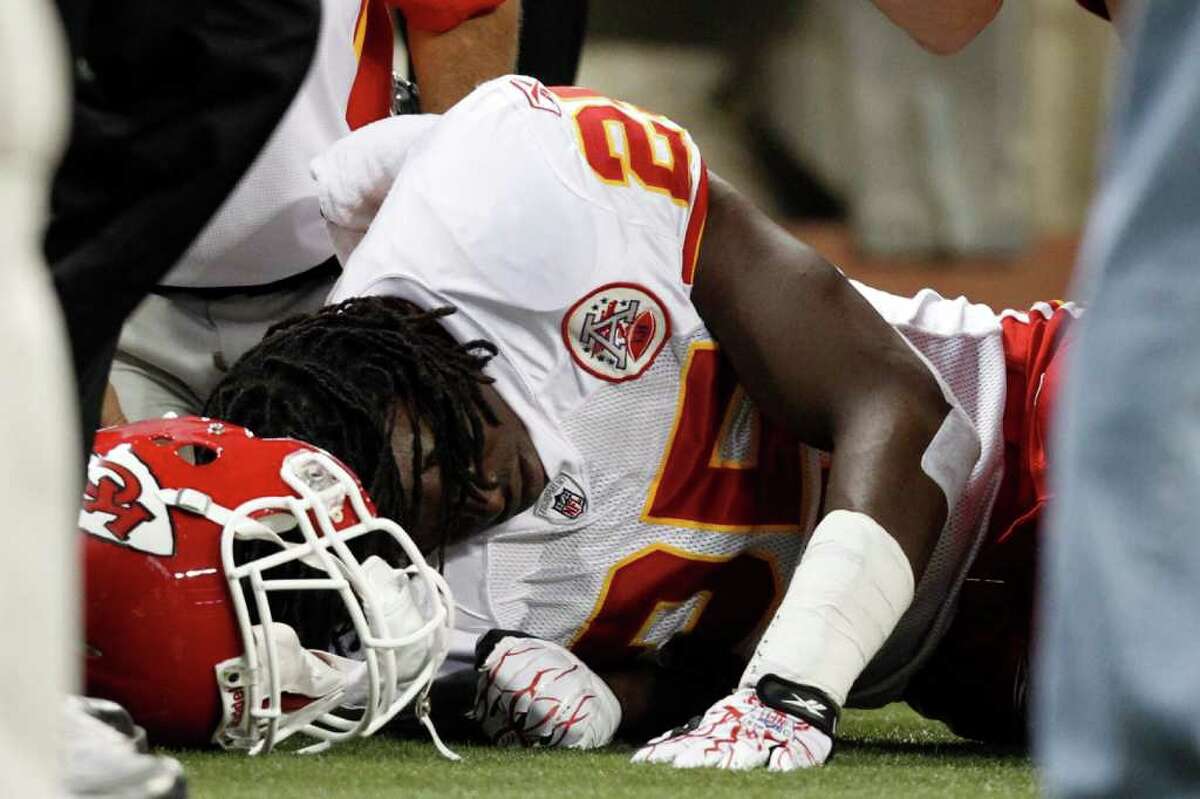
(848, 592)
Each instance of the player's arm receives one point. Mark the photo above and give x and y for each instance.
(817, 358)
(941, 26)
(457, 45)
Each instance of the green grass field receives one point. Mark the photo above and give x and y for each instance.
(888, 753)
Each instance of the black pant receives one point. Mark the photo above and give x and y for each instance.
(551, 39)
(172, 103)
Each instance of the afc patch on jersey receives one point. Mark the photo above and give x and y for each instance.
(121, 503)
(616, 331)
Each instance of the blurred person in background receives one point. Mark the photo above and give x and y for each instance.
(552, 33)
(938, 171)
(170, 107)
(1119, 714)
(928, 155)
(37, 428)
(946, 28)
(266, 255)
(157, 139)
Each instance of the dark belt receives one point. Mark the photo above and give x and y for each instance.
(322, 271)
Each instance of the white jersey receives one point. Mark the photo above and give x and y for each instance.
(270, 227)
(563, 226)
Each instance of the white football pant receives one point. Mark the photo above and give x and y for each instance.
(39, 469)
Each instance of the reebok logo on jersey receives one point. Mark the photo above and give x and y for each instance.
(562, 501)
(539, 97)
(615, 332)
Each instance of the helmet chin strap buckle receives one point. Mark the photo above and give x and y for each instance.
(190, 499)
(197, 502)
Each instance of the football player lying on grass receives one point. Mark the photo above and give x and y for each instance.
(604, 385)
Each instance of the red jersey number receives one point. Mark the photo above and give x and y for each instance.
(726, 471)
(702, 483)
(728, 599)
(618, 141)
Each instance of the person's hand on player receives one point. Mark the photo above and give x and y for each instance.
(779, 725)
(532, 692)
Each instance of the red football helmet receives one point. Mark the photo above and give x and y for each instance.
(179, 626)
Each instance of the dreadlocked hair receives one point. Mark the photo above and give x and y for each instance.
(335, 379)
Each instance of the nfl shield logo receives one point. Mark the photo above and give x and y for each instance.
(568, 503)
(562, 502)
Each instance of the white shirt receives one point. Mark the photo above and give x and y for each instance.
(270, 227)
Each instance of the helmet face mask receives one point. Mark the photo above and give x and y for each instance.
(241, 520)
(322, 489)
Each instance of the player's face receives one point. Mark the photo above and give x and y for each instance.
(510, 464)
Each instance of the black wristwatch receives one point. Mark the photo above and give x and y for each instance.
(406, 99)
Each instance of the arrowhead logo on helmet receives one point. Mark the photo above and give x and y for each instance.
(121, 503)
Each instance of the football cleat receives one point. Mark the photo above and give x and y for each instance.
(102, 763)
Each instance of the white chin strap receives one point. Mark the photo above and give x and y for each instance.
(405, 603)
(303, 671)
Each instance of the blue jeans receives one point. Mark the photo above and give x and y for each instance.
(1117, 704)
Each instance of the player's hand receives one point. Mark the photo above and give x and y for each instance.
(780, 725)
(535, 693)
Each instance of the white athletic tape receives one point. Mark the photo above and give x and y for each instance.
(849, 591)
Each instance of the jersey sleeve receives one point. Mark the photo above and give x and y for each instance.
(520, 207)
(439, 16)
(639, 165)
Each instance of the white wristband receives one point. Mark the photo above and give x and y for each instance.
(851, 588)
